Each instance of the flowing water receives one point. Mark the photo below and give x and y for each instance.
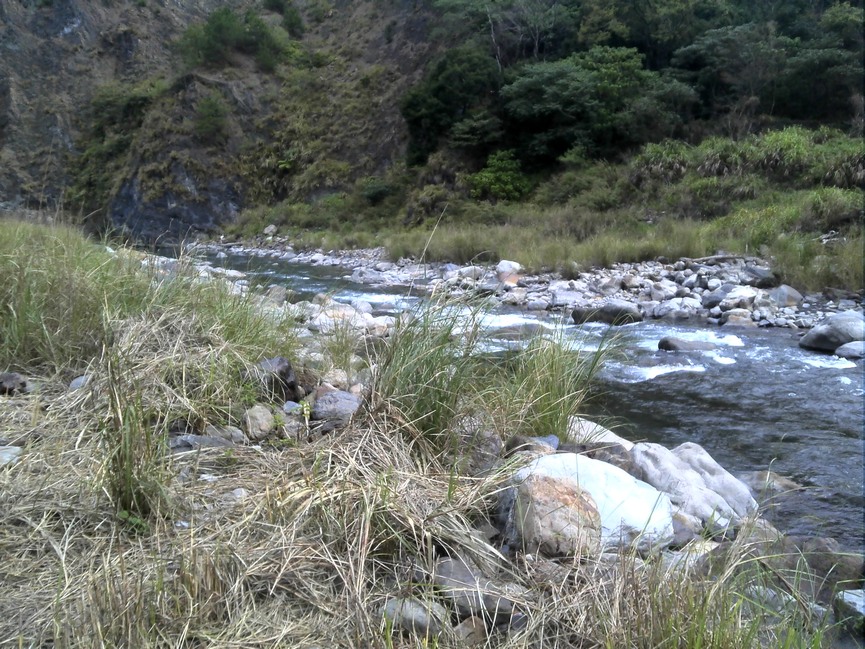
(757, 402)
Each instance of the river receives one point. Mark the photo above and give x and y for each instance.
(757, 402)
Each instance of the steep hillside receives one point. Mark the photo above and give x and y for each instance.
(105, 114)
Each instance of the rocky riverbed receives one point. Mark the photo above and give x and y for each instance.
(724, 290)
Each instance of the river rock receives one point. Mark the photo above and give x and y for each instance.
(471, 593)
(739, 297)
(687, 488)
(849, 607)
(507, 272)
(9, 455)
(851, 351)
(337, 405)
(614, 312)
(679, 308)
(760, 277)
(230, 433)
(738, 318)
(631, 511)
(835, 331)
(785, 296)
(258, 422)
(12, 383)
(409, 614)
(556, 517)
(715, 477)
(471, 631)
(672, 344)
(715, 296)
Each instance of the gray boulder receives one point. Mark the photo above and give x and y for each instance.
(336, 405)
(557, 518)
(852, 351)
(412, 615)
(614, 312)
(785, 296)
(471, 593)
(716, 296)
(258, 422)
(631, 512)
(695, 483)
(835, 331)
(672, 344)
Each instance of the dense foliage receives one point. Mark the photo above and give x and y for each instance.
(540, 77)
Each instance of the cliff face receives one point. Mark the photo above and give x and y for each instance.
(99, 116)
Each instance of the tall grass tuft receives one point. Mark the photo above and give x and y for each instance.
(430, 368)
(135, 471)
(544, 384)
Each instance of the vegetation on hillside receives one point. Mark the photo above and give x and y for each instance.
(556, 132)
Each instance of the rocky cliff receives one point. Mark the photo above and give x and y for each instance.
(102, 117)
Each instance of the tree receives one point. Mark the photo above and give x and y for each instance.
(462, 80)
(603, 99)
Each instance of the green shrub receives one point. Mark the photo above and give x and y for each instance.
(786, 153)
(830, 208)
(224, 32)
(279, 6)
(720, 156)
(501, 179)
(666, 161)
(292, 22)
(374, 189)
(211, 123)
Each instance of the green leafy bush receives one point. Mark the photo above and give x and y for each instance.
(501, 179)
(292, 22)
(211, 123)
(224, 32)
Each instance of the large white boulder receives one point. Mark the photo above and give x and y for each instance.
(632, 513)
